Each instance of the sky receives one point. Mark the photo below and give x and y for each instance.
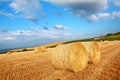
(25, 23)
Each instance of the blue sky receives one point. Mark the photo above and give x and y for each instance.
(25, 23)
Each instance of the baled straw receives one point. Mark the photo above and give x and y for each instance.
(93, 51)
(11, 51)
(70, 56)
(40, 49)
(8, 52)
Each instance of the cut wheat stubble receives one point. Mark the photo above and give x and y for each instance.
(70, 56)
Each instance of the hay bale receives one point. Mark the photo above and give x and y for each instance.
(11, 51)
(50, 49)
(105, 42)
(93, 51)
(71, 56)
(8, 52)
(40, 49)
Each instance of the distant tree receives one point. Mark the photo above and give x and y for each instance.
(109, 34)
(117, 33)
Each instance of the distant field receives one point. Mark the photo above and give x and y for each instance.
(107, 37)
(29, 65)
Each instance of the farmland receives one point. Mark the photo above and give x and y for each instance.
(29, 65)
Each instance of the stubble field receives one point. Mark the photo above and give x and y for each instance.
(38, 66)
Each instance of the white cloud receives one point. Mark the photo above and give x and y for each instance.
(20, 34)
(27, 38)
(104, 15)
(93, 18)
(116, 14)
(99, 16)
(39, 34)
(8, 38)
(82, 8)
(116, 2)
(21, 38)
(6, 14)
(60, 27)
(32, 18)
(28, 8)
(92, 10)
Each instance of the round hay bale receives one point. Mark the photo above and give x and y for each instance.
(105, 42)
(8, 52)
(93, 51)
(50, 49)
(11, 51)
(40, 49)
(71, 56)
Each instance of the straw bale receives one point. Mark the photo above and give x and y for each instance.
(40, 49)
(93, 51)
(71, 56)
(9, 52)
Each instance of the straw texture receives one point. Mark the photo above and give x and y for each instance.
(70, 56)
(8, 52)
(93, 51)
(40, 49)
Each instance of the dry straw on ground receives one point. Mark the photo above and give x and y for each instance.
(40, 49)
(93, 51)
(70, 56)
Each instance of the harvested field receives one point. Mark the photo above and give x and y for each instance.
(30, 66)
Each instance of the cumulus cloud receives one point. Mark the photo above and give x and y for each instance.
(60, 27)
(8, 38)
(116, 2)
(92, 18)
(28, 8)
(91, 10)
(32, 18)
(39, 33)
(116, 14)
(82, 7)
(104, 15)
(27, 38)
(99, 16)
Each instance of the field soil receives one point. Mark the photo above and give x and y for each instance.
(38, 66)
